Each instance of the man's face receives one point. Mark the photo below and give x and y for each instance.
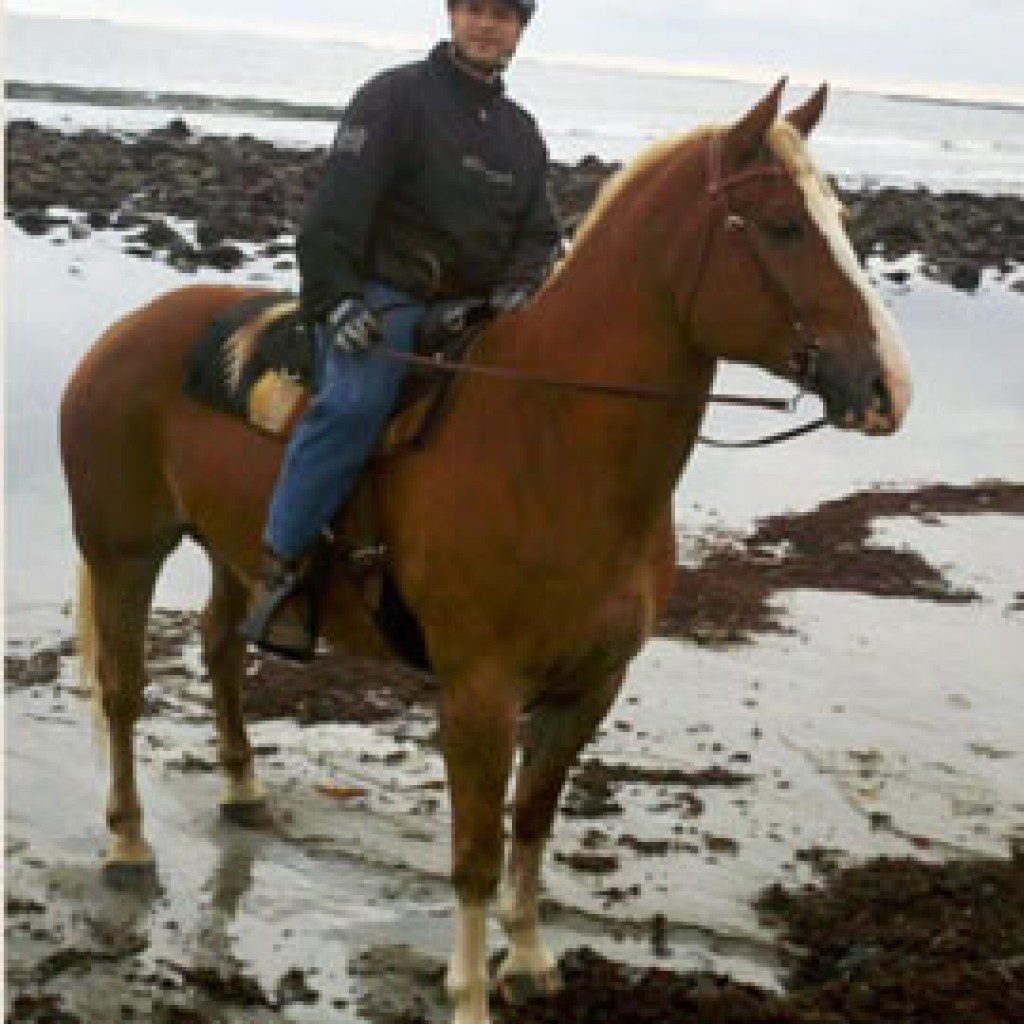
(485, 32)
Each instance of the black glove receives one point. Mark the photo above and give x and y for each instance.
(443, 322)
(354, 327)
(509, 296)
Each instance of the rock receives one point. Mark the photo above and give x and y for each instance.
(292, 987)
(176, 129)
(189, 763)
(32, 222)
(721, 844)
(211, 228)
(897, 276)
(646, 847)
(595, 863)
(158, 235)
(223, 256)
(966, 277)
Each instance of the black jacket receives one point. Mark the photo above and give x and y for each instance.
(436, 183)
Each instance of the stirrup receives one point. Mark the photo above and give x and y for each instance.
(365, 558)
(257, 627)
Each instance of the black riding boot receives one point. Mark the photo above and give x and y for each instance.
(280, 615)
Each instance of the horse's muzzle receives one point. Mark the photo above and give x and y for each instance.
(855, 393)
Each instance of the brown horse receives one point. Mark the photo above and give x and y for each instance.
(532, 537)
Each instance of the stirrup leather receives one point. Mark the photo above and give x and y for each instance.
(258, 626)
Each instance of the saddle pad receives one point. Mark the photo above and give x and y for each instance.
(254, 360)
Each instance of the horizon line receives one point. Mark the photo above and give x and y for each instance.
(975, 94)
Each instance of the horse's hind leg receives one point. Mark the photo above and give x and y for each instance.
(120, 591)
(553, 735)
(223, 653)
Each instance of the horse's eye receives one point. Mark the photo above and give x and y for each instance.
(784, 231)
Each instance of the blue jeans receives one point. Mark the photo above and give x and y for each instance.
(333, 440)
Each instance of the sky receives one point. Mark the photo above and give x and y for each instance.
(974, 46)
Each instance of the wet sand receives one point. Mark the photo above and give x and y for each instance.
(722, 770)
(837, 681)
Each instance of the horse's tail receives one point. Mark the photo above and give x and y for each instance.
(88, 652)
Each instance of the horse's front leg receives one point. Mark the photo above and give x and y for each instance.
(478, 733)
(555, 732)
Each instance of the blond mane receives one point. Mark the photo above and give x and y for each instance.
(784, 140)
(625, 176)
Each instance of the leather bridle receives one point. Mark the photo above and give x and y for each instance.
(804, 357)
(805, 353)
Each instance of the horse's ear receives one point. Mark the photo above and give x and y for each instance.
(744, 138)
(806, 117)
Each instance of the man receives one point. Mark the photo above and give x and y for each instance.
(435, 188)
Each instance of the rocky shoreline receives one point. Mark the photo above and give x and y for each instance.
(232, 190)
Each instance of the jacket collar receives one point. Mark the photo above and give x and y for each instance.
(473, 89)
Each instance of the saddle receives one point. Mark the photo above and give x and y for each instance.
(256, 361)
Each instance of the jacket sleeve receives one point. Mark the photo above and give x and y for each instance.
(538, 243)
(336, 223)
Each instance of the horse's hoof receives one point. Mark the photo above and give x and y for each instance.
(246, 813)
(517, 989)
(137, 876)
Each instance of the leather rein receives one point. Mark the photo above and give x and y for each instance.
(804, 358)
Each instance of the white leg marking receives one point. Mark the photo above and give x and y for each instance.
(129, 851)
(467, 970)
(243, 790)
(520, 915)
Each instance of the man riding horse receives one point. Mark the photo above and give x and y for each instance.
(435, 189)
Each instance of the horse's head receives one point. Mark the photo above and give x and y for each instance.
(775, 281)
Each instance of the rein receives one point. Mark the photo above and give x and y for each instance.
(804, 359)
(438, 364)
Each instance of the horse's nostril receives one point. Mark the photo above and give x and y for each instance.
(804, 367)
(881, 401)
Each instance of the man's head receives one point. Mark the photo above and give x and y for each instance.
(485, 33)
